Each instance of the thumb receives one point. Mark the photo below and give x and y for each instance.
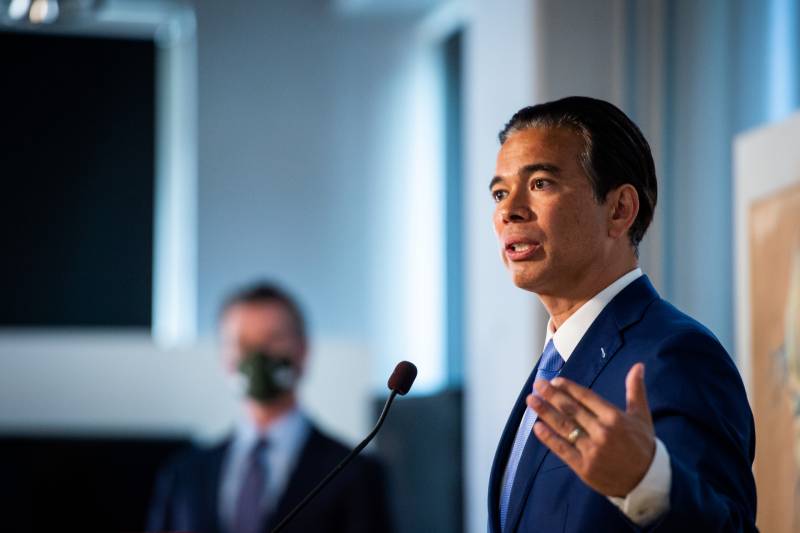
(636, 394)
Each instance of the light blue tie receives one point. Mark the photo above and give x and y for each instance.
(549, 366)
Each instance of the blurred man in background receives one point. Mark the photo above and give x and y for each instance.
(276, 455)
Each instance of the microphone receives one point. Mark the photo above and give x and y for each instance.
(399, 383)
(402, 378)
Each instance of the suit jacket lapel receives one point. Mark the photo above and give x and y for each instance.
(304, 477)
(597, 347)
(210, 488)
(503, 451)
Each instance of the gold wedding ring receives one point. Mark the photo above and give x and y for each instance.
(574, 435)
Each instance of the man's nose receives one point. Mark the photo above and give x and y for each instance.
(516, 209)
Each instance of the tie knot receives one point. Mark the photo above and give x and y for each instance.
(551, 361)
(259, 446)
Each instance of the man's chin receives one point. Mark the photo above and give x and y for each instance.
(278, 400)
(526, 280)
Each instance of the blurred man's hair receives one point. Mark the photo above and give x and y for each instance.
(614, 150)
(263, 292)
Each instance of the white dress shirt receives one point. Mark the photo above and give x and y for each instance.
(285, 440)
(649, 500)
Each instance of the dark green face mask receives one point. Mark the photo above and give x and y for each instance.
(267, 376)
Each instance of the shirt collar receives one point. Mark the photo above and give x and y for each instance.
(567, 337)
(286, 433)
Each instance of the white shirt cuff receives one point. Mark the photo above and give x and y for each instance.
(649, 500)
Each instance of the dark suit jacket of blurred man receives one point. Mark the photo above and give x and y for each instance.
(188, 492)
(696, 397)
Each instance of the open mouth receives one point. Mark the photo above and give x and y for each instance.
(517, 251)
(520, 247)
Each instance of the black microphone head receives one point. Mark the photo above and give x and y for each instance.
(403, 377)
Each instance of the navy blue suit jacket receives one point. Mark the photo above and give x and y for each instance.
(187, 492)
(699, 409)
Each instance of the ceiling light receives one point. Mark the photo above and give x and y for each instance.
(17, 9)
(43, 11)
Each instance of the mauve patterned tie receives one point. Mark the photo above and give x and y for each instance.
(248, 504)
(549, 367)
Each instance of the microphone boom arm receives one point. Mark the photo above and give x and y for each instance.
(339, 467)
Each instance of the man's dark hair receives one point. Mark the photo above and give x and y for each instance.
(614, 150)
(267, 293)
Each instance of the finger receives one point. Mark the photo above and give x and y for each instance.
(636, 393)
(554, 418)
(570, 407)
(604, 410)
(564, 450)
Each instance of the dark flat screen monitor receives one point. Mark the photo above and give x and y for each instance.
(77, 160)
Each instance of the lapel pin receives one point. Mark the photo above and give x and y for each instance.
(602, 351)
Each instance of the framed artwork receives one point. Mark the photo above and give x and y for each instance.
(775, 299)
(767, 242)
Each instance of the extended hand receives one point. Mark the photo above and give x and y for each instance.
(613, 449)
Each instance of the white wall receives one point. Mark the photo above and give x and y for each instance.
(503, 324)
(321, 167)
(122, 383)
(291, 111)
(290, 100)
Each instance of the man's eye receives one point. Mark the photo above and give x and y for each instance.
(499, 195)
(540, 184)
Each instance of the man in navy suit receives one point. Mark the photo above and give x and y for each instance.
(249, 482)
(635, 417)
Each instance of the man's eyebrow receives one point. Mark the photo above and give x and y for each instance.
(495, 181)
(536, 167)
(528, 170)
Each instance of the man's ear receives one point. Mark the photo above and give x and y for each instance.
(623, 204)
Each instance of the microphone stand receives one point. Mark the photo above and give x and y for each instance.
(339, 467)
